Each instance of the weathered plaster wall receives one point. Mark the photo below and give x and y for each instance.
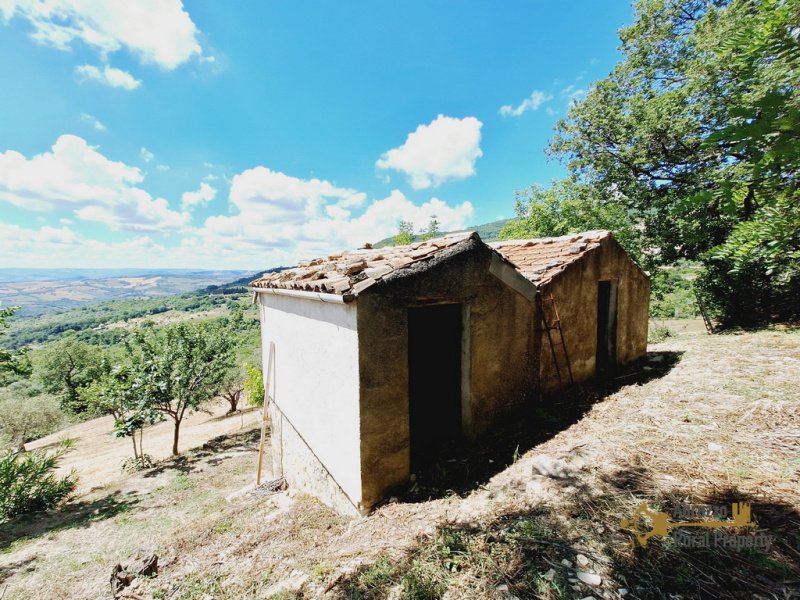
(497, 348)
(316, 387)
(575, 293)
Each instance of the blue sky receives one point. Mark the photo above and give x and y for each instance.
(251, 134)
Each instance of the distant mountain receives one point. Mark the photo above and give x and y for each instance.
(489, 232)
(41, 291)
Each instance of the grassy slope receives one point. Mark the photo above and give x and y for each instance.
(710, 419)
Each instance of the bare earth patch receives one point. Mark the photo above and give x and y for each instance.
(704, 419)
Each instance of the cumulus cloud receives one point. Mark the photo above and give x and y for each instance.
(573, 94)
(532, 102)
(75, 176)
(282, 199)
(158, 32)
(202, 196)
(445, 149)
(87, 118)
(109, 76)
(292, 218)
(146, 155)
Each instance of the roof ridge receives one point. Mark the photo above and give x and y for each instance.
(592, 234)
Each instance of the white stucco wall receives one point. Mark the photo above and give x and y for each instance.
(316, 383)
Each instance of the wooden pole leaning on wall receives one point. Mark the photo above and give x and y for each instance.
(264, 413)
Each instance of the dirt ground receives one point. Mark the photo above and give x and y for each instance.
(97, 455)
(702, 419)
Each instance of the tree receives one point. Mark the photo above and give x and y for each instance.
(11, 363)
(568, 206)
(405, 233)
(121, 393)
(65, 367)
(183, 366)
(24, 418)
(234, 386)
(695, 131)
(433, 230)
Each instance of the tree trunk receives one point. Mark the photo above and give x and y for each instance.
(175, 437)
(141, 442)
(133, 439)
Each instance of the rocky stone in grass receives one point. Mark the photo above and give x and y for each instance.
(123, 577)
(589, 578)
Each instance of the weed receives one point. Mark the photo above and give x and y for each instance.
(224, 526)
(659, 333)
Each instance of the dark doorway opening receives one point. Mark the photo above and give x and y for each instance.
(434, 380)
(606, 326)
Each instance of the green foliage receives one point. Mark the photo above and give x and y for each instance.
(695, 133)
(65, 367)
(181, 367)
(85, 322)
(25, 418)
(28, 482)
(659, 333)
(254, 385)
(11, 363)
(405, 233)
(568, 206)
(433, 230)
(675, 297)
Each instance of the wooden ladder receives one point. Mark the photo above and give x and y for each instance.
(554, 323)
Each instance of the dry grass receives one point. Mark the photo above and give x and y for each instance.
(97, 455)
(712, 419)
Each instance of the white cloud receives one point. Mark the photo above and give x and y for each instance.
(446, 149)
(573, 94)
(162, 168)
(532, 102)
(159, 32)
(204, 195)
(75, 176)
(288, 218)
(109, 76)
(279, 198)
(87, 118)
(146, 155)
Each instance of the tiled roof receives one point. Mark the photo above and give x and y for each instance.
(349, 272)
(539, 260)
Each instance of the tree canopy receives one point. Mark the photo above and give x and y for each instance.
(695, 134)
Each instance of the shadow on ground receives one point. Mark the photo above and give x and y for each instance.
(462, 469)
(522, 552)
(70, 516)
(188, 462)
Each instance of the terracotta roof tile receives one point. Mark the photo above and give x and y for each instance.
(539, 260)
(350, 272)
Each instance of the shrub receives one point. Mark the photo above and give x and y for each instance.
(659, 333)
(23, 419)
(28, 482)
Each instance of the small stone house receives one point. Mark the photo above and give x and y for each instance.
(383, 355)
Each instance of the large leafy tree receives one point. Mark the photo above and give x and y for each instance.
(695, 132)
(182, 367)
(65, 367)
(11, 363)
